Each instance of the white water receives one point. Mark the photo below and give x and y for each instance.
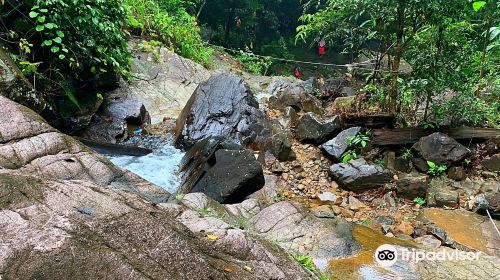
(160, 167)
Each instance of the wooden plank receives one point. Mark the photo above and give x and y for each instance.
(405, 136)
(369, 121)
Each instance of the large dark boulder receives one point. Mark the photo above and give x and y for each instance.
(118, 113)
(296, 95)
(358, 175)
(441, 149)
(221, 106)
(312, 129)
(222, 170)
(336, 147)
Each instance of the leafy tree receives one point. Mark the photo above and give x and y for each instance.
(393, 23)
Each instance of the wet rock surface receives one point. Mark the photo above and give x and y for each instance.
(221, 106)
(441, 149)
(221, 169)
(163, 81)
(96, 221)
(358, 175)
(336, 147)
(312, 129)
(117, 113)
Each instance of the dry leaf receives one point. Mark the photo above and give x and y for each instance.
(228, 269)
(212, 236)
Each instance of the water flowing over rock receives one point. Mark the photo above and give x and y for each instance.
(221, 169)
(441, 149)
(311, 128)
(336, 147)
(76, 215)
(221, 106)
(358, 175)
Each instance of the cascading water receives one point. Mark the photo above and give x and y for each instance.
(159, 167)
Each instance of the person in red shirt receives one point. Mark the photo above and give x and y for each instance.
(297, 72)
(322, 47)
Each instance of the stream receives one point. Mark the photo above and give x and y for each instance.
(159, 167)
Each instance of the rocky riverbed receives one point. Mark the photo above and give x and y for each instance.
(236, 188)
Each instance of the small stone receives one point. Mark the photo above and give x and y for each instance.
(385, 220)
(346, 213)
(429, 241)
(327, 197)
(301, 187)
(355, 204)
(324, 211)
(337, 210)
(285, 176)
(457, 173)
(389, 234)
(405, 228)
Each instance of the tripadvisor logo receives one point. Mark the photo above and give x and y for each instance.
(387, 255)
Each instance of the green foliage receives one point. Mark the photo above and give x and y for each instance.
(360, 140)
(307, 262)
(419, 201)
(254, 64)
(436, 169)
(167, 21)
(349, 155)
(380, 162)
(407, 154)
(179, 197)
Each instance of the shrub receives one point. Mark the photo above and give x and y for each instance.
(167, 21)
(254, 64)
(75, 39)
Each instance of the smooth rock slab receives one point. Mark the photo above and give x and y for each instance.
(358, 175)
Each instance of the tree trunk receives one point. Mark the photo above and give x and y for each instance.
(200, 10)
(391, 96)
(483, 56)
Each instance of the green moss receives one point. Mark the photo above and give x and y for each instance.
(19, 191)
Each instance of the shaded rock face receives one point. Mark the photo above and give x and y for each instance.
(112, 121)
(28, 145)
(311, 129)
(93, 221)
(15, 86)
(336, 147)
(222, 170)
(286, 93)
(441, 192)
(358, 175)
(412, 186)
(221, 106)
(441, 149)
(492, 163)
